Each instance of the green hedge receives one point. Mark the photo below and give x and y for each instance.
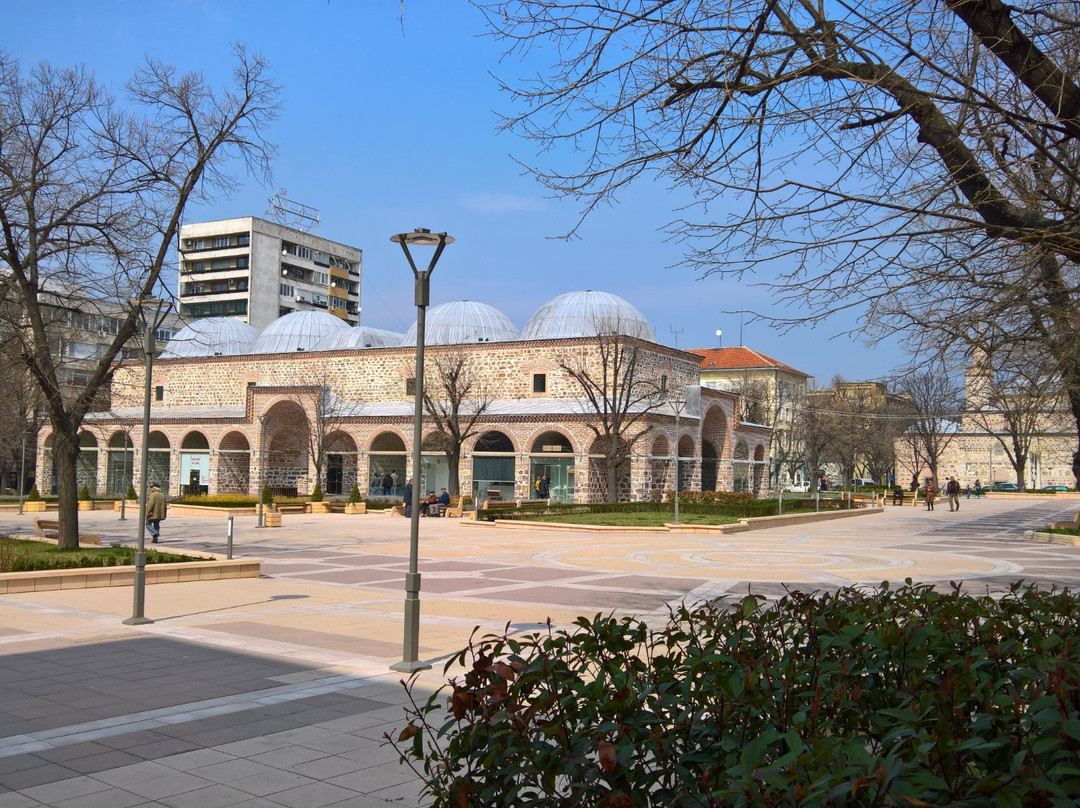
(17, 555)
(741, 505)
(890, 697)
(219, 501)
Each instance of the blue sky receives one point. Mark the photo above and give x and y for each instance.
(390, 123)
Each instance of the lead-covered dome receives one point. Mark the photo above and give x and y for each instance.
(211, 336)
(587, 314)
(462, 321)
(360, 337)
(299, 331)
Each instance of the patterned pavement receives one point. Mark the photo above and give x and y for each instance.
(276, 691)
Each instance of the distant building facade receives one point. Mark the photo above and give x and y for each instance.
(770, 393)
(256, 271)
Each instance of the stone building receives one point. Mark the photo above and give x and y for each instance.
(229, 412)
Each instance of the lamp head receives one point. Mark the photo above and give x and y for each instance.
(422, 237)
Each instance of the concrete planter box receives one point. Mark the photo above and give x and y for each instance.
(355, 507)
(89, 578)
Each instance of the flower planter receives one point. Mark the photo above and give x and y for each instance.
(355, 507)
(131, 505)
(86, 505)
(272, 519)
(35, 506)
(318, 507)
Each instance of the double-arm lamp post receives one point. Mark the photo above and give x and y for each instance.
(678, 405)
(418, 238)
(152, 312)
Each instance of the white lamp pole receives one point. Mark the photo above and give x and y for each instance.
(411, 645)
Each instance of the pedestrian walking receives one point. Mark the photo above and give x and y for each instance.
(387, 484)
(952, 490)
(156, 510)
(931, 492)
(978, 489)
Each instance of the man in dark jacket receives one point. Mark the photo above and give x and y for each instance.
(952, 491)
(408, 498)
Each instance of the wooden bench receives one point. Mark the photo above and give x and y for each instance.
(291, 508)
(50, 529)
(500, 504)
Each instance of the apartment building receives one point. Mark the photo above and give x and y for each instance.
(256, 271)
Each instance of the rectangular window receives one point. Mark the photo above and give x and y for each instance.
(287, 291)
(410, 386)
(159, 393)
(539, 382)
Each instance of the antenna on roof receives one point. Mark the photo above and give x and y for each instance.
(676, 333)
(292, 214)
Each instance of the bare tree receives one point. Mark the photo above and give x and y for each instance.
(92, 193)
(813, 429)
(456, 401)
(618, 396)
(1012, 394)
(918, 162)
(935, 401)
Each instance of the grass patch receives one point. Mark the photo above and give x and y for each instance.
(1065, 531)
(637, 519)
(19, 555)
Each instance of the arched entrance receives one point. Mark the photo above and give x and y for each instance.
(686, 463)
(660, 464)
(760, 465)
(434, 470)
(285, 447)
(87, 463)
(234, 464)
(194, 465)
(740, 467)
(552, 456)
(714, 437)
(340, 463)
(386, 457)
(493, 466)
(160, 461)
(600, 479)
(120, 466)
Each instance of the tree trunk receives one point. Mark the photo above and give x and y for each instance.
(65, 456)
(1073, 388)
(453, 483)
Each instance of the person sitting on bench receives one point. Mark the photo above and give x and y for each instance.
(897, 495)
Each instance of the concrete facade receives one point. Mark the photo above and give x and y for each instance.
(257, 271)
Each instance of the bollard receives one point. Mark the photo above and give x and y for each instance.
(228, 540)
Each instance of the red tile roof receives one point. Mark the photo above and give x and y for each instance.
(739, 358)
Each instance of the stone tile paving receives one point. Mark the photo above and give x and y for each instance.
(274, 692)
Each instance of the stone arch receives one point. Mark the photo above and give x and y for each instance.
(160, 460)
(86, 465)
(120, 463)
(494, 466)
(194, 464)
(760, 465)
(714, 447)
(285, 447)
(740, 466)
(687, 466)
(598, 476)
(386, 463)
(234, 464)
(341, 454)
(660, 465)
(551, 455)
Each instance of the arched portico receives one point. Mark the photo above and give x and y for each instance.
(234, 464)
(552, 455)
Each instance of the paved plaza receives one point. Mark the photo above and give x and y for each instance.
(276, 691)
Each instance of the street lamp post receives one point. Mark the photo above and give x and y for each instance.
(423, 238)
(678, 405)
(152, 312)
(22, 472)
(124, 479)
